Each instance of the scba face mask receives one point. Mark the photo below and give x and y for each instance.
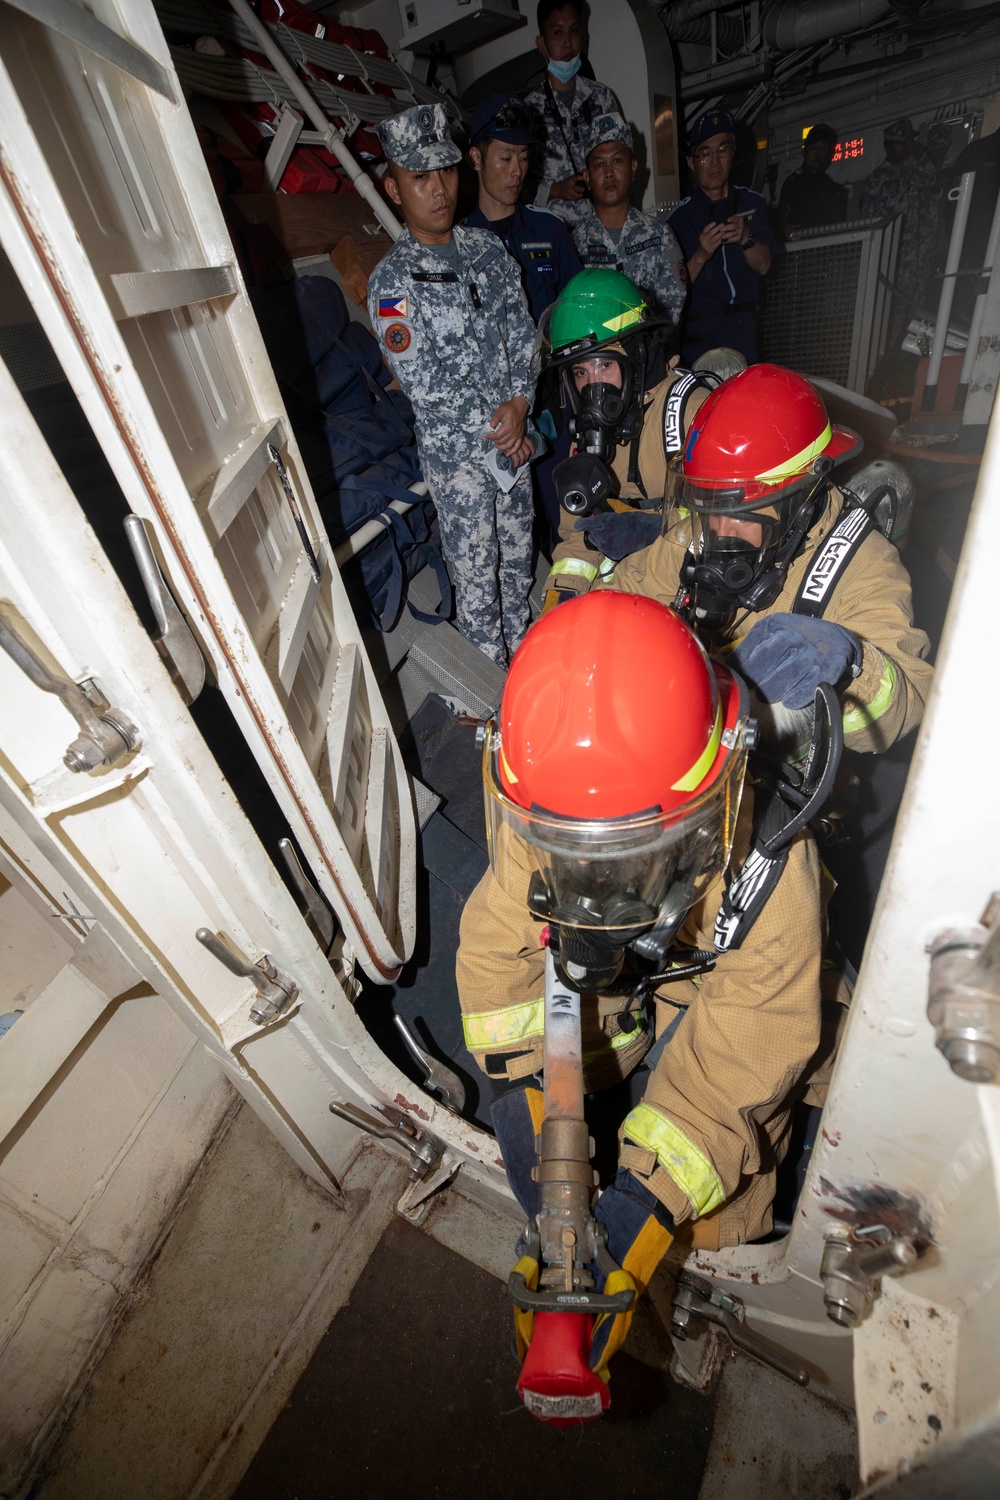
(599, 410)
(605, 412)
(737, 554)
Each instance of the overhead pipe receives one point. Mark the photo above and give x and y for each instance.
(728, 32)
(333, 136)
(691, 21)
(680, 12)
(839, 96)
(787, 25)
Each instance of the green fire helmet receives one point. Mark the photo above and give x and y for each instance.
(596, 307)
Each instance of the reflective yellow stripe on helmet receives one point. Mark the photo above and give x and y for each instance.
(573, 566)
(865, 715)
(690, 1168)
(487, 1031)
(799, 461)
(703, 764)
(626, 319)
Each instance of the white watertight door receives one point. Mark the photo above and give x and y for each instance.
(110, 222)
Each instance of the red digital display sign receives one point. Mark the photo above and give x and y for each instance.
(848, 150)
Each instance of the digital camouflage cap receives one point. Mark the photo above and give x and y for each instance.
(898, 131)
(418, 139)
(605, 129)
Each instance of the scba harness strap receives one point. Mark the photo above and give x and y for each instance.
(781, 810)
(747, 896)
(750, 890)
(675, 406)
(833, 558)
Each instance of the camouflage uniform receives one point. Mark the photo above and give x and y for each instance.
(906, 188)
(566, 126)
(459, 341)
(647, 251)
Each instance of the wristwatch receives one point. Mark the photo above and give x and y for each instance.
(749, 242)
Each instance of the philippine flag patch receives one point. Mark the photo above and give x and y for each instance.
(393, 307)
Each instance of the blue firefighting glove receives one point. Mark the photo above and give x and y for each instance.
(619, 533)
(785, 657)
(640, 1231)
(517, 1112)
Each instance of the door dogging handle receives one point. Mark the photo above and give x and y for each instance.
(175, 642)
(105, 738)
(275, 991)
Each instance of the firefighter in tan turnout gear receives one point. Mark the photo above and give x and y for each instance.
(614, 783)
(753, 526)
(768, 559)
(754, 532)
(599, 338)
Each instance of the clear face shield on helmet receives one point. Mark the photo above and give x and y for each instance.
(618, 877)
(738, 537)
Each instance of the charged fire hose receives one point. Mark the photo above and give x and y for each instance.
(557, 1383)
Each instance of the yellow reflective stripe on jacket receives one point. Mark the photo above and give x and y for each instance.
(690, 1168)
(574, 566)
(606, 568)
(618, 1042)
(488, 1031)
(492, 1030)
(861, 718)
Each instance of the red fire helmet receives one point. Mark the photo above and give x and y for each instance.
(759, 433)
(611, 708)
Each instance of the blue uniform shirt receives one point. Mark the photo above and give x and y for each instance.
(543, 248)
(723, 299)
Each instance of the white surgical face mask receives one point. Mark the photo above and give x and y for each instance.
(564, 71)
